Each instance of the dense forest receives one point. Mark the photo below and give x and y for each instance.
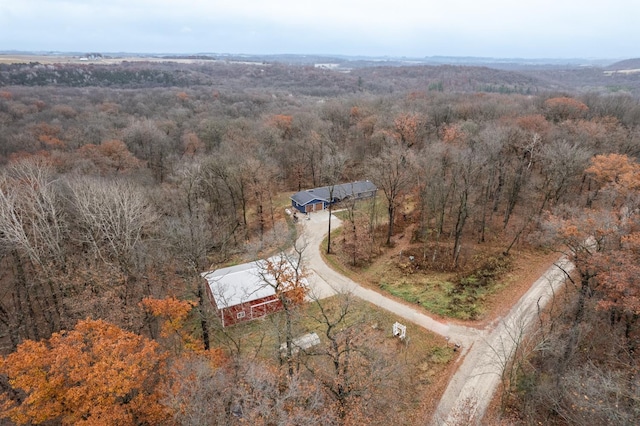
(121, 184)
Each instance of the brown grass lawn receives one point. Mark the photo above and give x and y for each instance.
(422, 364)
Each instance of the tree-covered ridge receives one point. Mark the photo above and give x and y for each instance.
(306, 79)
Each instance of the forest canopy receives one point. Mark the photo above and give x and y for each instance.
(120, 185)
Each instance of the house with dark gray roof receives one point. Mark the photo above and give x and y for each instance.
(312, 200)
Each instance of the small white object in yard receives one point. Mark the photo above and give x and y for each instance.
(287, 211)
(411, 258)
(303, 342)
(399, 330)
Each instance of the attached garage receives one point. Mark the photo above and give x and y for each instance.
(314, 207)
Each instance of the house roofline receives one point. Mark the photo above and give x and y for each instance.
(315, 196)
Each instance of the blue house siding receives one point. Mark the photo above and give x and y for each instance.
(297, 206)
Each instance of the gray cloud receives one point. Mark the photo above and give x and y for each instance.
(402, 27)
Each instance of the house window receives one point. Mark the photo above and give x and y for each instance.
(240, 315)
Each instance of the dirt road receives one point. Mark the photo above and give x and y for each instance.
(472, 387)
(484, 352)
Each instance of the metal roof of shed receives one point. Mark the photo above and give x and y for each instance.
(237, 284)
(241, 283)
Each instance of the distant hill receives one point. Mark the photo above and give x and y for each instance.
(316, 75)
(627, 64)
(305, 80)
(457, 78)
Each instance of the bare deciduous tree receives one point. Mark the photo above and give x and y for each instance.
(31, 214)
(356, 372)
(333, 167)
(392, 171)
(150, 144)
(112, 218)
(285, 273)
(33, 229)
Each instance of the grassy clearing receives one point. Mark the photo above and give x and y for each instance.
(461, 296)
(428, 293)
(377, 206)
(260, 336)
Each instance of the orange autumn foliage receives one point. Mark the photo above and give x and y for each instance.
(616, 170)
(48, 135)
(535, 123)
(173, 313)
(95, 374)
(109, 108)
(65, 111)
(619, 268)
(40, 105)
(110, 156)
(452, 133)
(289, 282)
(417, 95)
(284, 123)
(620, 280)
(46, 129)
(51, 142)
(173, 310)
(355, 115)
(603, 243)
(16, 157)
(407, 128)
(192, 144)
(564, 108)
(632, 242)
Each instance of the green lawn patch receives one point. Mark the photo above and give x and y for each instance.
(459, 296)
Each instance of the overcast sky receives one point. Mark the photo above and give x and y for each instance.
(497, 28)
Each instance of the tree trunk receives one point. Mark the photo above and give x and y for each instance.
(203, 315)
(460, 222)
(329, 234)
(391, 211)
(514, 194)
(24, 296)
